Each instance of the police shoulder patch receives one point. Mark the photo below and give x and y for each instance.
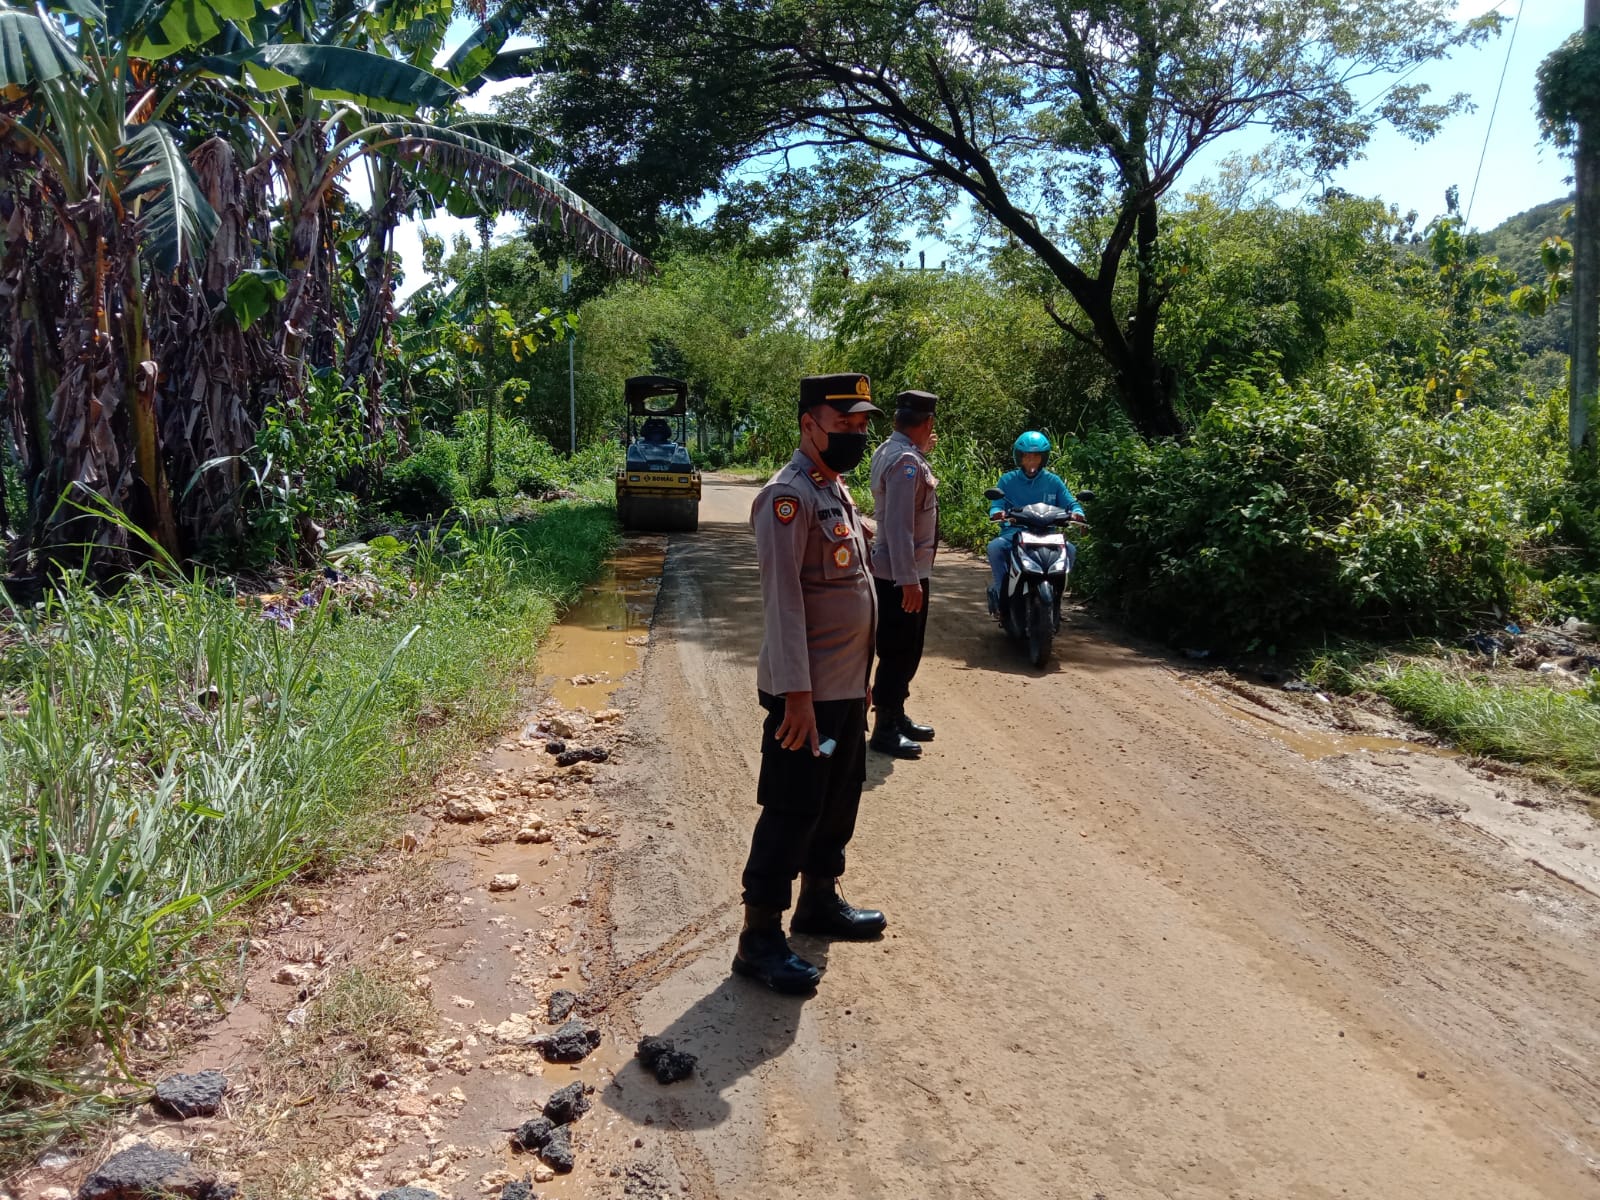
(911, 470)
(785, 508)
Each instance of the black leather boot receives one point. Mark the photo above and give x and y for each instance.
(764, 954)
(821, 910)
(914, 731)
(887, 738)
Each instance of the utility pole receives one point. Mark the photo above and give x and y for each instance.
(1585, 377)
(485, 224)
(572, 380)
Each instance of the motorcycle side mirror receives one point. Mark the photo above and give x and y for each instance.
(1086, 497)
(993, 494)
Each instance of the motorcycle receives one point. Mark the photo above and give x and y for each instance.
(1036, 575)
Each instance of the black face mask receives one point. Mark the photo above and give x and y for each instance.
(844, 451)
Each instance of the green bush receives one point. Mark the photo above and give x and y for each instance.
(523, 462)
(429, 482)
(446, 472)
(964, 468)
(1306, 510)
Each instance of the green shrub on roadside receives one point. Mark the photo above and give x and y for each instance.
(964, 468)
(427, 483)
(1306, 510)
(444, 473)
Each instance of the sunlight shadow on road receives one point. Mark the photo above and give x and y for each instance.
(711, 590)
(734, 1030)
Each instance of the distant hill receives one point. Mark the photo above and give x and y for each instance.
(1515, 242)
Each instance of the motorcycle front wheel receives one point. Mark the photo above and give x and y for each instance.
(1041, 630)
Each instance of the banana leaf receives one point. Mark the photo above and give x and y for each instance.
(469, 176)
(178, 221)
(386, 85)
(33, 50)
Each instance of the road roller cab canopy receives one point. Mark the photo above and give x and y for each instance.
(658, 422)
(658, 487)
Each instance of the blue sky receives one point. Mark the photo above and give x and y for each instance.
(1518, 170)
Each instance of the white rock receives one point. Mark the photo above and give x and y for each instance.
(567, 725)
(514, 1030)
(294, 974)
(507, 882)
(470, 808)
(543, 1174)
(532, 835)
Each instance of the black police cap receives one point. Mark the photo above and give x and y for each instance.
(848, 392)
(917, 402)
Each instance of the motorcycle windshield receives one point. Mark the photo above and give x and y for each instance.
(1040, 516)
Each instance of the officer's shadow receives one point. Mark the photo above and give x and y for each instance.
(733, 1030)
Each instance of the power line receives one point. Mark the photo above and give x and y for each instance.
(1495, 108)
(1417, 66)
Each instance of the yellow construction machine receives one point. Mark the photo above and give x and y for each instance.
(658, 487)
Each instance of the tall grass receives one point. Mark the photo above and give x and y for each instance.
(1556, 733)
(965, 468)
(169, 755)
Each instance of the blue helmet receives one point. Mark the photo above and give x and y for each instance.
(1031, 442)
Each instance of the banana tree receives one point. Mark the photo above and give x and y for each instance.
(107, 217)
(101, 194)
(360, 65)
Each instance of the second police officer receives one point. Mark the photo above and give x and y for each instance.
(905, 498)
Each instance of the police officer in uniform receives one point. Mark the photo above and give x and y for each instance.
(820, 613)
(905, 498)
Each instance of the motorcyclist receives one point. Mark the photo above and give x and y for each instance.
(1030, 483)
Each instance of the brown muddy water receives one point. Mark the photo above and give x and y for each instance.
(602, 637)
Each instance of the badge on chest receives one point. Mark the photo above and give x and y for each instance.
(841, 556)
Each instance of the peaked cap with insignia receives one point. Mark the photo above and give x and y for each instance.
(849, 393)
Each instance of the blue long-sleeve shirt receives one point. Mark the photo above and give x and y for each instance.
(1044, 488)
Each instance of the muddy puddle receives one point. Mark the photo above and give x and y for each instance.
(1310, 741)
(1316, 744)
(602, 637)
(494, 963)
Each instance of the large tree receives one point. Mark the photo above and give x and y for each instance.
(1062, 125)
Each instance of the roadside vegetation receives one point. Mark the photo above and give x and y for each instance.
(175, 748)
(280, 542)
(1551, 726)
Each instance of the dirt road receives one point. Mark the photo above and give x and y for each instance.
(1137, 947)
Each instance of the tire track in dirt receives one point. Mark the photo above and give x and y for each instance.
(1137, 948)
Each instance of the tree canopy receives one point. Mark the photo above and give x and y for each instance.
(1063, 127)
